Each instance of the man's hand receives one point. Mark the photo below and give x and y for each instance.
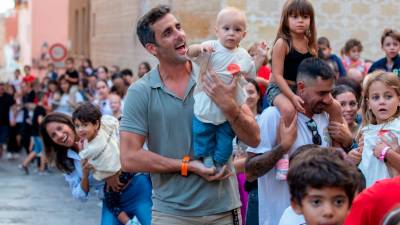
(208, 174)
(340, 133)
(222, 94)
(287, 134)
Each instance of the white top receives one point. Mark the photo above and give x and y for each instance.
(204, 108)
(372, 168)
(104, 106)
(290, 217)
(273, 194)
(103, 151)
(64, 105)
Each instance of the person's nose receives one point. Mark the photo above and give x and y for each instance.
(327, 99)
(347, 107)
(328, 210)
(180, 34)
(59, 136)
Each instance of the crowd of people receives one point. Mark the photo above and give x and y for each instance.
(216, 134)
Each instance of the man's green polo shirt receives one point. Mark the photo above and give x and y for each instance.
(151, 110)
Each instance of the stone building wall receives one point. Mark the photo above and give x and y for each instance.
(113, 40)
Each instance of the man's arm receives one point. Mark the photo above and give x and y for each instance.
(240, 118)
(259, 164)
(135, 159)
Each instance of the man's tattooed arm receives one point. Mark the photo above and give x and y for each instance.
(259, 164)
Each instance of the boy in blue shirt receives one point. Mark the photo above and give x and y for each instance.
(325, 47)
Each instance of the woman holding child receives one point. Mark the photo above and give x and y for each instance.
(63, 145)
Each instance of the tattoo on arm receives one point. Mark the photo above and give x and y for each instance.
(260, 164)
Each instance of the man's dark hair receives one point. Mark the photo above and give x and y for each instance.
(312, 68)
(116, 76)
(126, 72)
(87, 113)
(319, 168)
(143, 29)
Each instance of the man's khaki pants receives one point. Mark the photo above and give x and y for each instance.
(226, 218)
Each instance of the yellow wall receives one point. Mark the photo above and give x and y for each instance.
(114, 41)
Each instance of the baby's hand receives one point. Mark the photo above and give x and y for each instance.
(207, 48)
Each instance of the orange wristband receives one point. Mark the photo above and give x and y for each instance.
(184, 166)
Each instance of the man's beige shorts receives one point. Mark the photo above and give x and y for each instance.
(226, 218)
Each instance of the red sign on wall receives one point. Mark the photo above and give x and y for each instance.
(58, 52)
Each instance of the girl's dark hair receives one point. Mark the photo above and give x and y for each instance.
(351, 83)
(342, 88)
(63, 77)
(260, 100)
(89, 62)
(352, 43)
(302, 8)
(55, 152)
(393, 217)
(87, 113)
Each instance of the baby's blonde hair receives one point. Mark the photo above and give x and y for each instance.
(231, 9)
(387, 78)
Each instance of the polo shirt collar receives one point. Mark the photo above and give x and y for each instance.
(156, 82)
(155, 79)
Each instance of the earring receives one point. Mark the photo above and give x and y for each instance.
(308, 32)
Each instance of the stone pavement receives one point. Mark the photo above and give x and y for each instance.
(41, 200)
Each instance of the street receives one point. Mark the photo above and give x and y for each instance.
(41, 200)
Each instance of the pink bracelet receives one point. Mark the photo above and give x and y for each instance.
(383, 153)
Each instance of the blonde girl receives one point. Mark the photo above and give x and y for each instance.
(381, 127)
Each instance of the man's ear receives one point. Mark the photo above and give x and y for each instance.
(296, 207)
(151, 48)
(300, 87)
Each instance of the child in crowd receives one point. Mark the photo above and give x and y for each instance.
(295, 41)
(352, 59)
(322, 186)
(116, 105)
(36, 144)
(325, 47)
(212, 133)
(99, 135)
(264, 72)
(381, 126)
(390, 44)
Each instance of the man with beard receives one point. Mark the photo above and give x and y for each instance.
(315, 82)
